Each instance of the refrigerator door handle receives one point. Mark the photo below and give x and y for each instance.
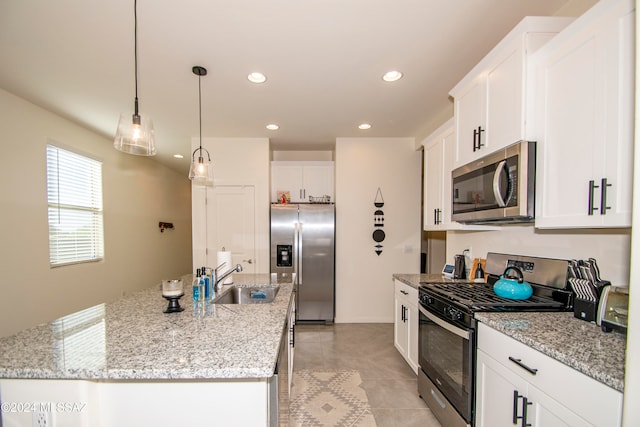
(296, 252)
(299, 252)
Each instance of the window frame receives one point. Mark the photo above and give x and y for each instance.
(75, 213)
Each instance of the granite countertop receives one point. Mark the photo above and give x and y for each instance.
(132, 339)
(414, 280)
(574, 342)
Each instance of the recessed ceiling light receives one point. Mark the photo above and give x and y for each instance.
(273, 126)
(392, 76)
(178, 156)
(364, 126)
(256, 77)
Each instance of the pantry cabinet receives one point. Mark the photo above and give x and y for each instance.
(517, 385)
(405, 336)
(584, 120)
(490, 103)
(302, 180)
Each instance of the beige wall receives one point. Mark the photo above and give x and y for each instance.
(364, 288)
(137, 194)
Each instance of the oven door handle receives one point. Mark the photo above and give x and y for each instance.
(444, 324)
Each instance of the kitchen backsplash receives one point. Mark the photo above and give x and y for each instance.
(611, 247)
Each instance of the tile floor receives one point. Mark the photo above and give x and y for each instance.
(389, 382)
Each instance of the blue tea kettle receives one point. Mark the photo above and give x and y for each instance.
(512, 287)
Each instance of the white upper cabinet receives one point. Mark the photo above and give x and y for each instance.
(438, 148)
(490, 102)
(302, 180)
(583, 120)
(439, 151)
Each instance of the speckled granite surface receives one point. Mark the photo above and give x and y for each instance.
(132, 339)
(415, 279)
(576, 343)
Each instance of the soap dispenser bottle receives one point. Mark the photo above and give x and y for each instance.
(198, 292)
(206, 283)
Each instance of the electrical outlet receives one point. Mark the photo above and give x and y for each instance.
(41, 417)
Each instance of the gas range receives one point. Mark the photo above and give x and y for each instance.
(447, 328)
(457, 301)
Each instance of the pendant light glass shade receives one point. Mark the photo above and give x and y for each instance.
(135, 133)
(201, 170)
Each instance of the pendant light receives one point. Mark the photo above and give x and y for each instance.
(135, 133)
(200, 172)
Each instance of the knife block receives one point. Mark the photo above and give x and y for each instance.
(585, 310)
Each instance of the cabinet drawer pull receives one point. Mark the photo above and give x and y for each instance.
(404, 292)
(516, 397)
(603, 196)
(518, 362)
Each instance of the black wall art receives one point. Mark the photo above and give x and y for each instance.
(378, 222)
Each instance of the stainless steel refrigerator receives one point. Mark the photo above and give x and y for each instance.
(303, 249)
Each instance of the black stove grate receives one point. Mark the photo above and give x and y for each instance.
(480, 297)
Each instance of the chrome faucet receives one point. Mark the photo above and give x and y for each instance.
(224, 275)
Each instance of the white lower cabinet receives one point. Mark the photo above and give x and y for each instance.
(517, 385)
(405, 331)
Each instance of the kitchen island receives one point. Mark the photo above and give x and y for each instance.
(129, 363)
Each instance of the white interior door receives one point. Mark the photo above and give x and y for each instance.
(231, 224)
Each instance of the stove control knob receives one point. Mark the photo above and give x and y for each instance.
(426, 299)
(453, 313)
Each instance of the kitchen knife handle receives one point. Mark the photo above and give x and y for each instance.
(592, 187)
(603, 196)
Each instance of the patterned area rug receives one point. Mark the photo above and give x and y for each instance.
(329, 398)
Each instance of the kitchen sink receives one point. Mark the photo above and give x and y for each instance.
(248, 295)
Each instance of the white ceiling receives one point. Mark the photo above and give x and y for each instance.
(323, 59)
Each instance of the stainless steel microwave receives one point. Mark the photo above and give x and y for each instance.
(499, 187)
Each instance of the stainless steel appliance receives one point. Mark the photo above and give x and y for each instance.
(303, 247)
(499, 187)
(447, 328)
(613, 312)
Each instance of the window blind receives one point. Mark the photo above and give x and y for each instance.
(74, 193)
